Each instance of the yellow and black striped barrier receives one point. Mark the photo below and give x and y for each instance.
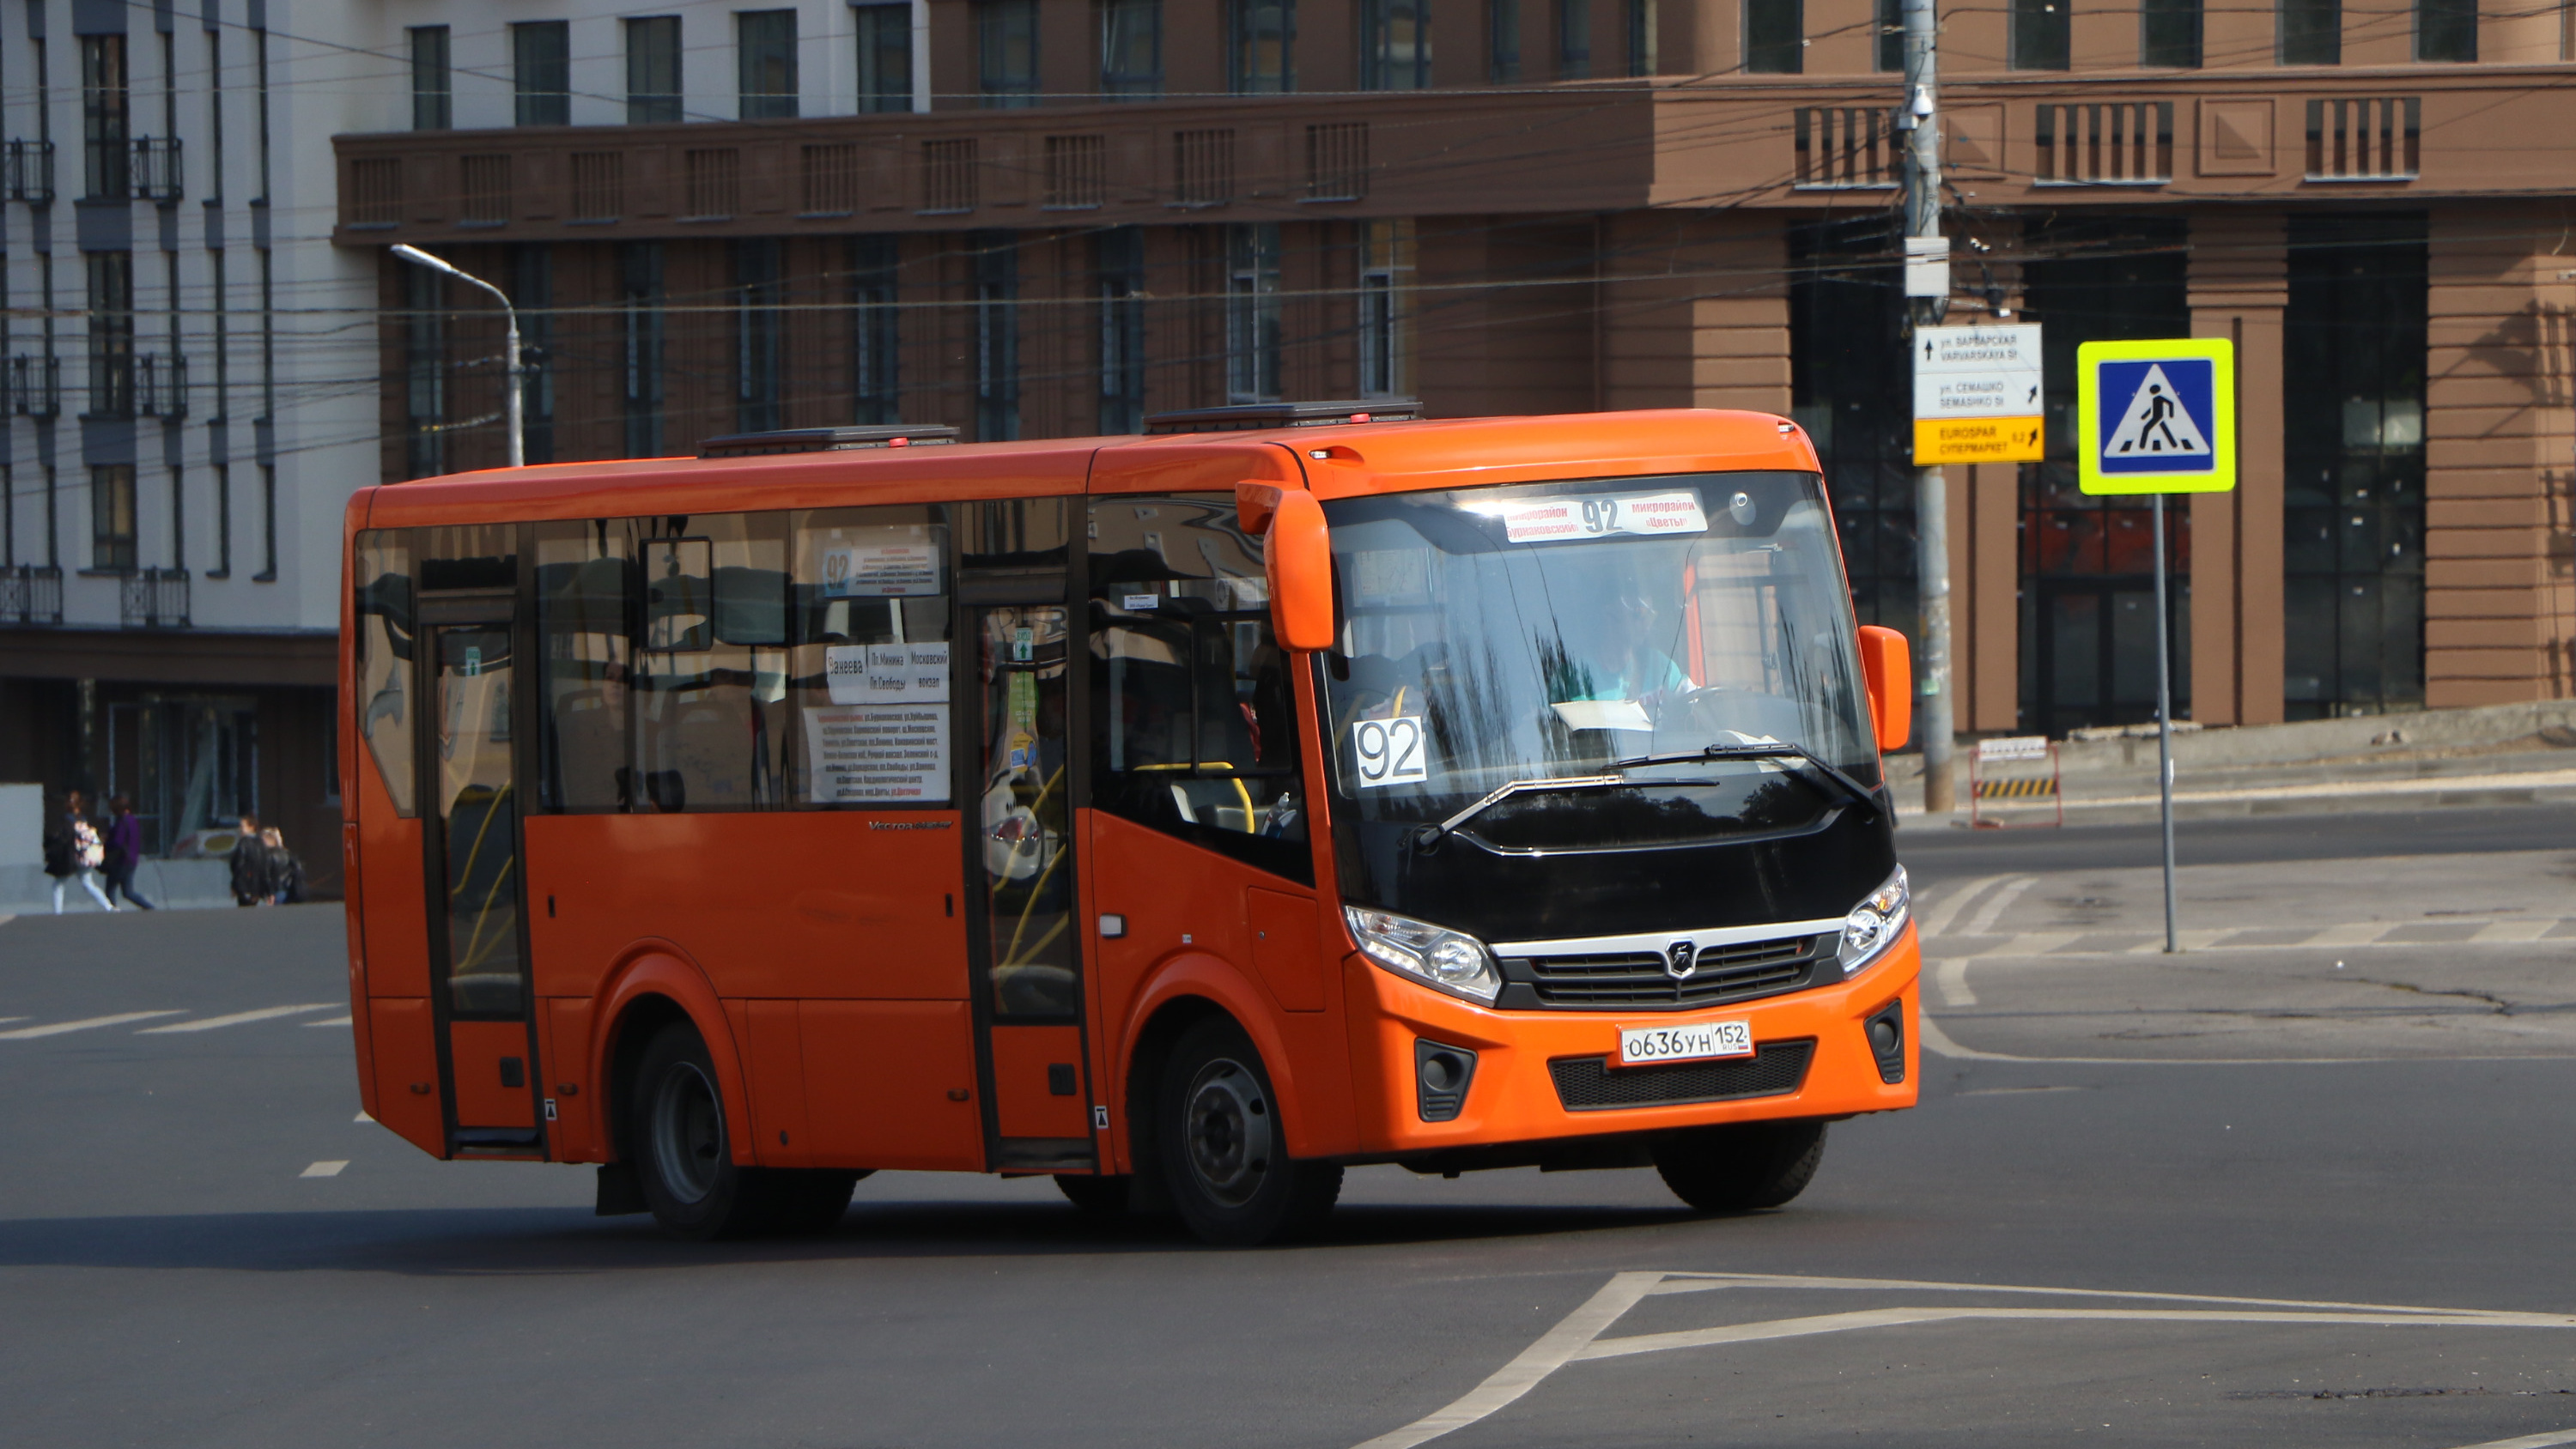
(2016, 789)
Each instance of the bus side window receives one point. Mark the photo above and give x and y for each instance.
(385, 709)
(711, 669)
(870, 669)
(584, 661)
(1194, 724)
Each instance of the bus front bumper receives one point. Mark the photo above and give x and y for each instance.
(1542, 1076)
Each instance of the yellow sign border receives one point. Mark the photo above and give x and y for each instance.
(2218, 352)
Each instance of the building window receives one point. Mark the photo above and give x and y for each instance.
(1261, 43)
(653, 71)
(1502, 41)
(111, 334)
(267, 524)
(2309, 32)
(111, 517)
(532, 295)
(1847, 357)
(1775, 36)
(758, 325)
(1644, 26)
(541, 72)
(2042, 35)
(2446, 30)
(765, 55)
(640, 329)
(1386, 262)
(1118, 263)
(223, 568)
(1888, 55)
(178, 519)
(1395, 45)
(1131, 48)
(432, 88)
(1573, 39)
(1252, 332)
(1006, 52)
(424, 373)
(876, 331)
(2352, 538)
(885, 57)
(997, 337)
(2169, 33)
(106, 120)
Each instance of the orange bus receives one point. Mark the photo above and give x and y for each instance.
(1186, 817)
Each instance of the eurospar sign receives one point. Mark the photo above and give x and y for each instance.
(1977, 395)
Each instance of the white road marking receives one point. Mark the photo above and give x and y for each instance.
(2354, 936)
(362, 1117)
(1951, 976)
(266, 1013)
(324, 1169)
(57, 1028)
(5, 1020)
(2513, 931)
(2184, 941)
(1571, 1335)
(1577, 1337)
(2351, 933)
(1984, 920)
(1939, 1042)
(334, 1021)
(1936, 921)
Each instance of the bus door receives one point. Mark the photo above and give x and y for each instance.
(1022, 932)
(477, 936)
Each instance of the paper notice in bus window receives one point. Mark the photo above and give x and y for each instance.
(1603, 714)
(877, 754)
(881, 570)
(1601, 515)
(1389, 751)
(887, 673)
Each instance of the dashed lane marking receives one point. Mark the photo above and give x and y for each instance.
(1998, 903)
(333, 1021)
(58, 1028)
(1951, 977)
(324, 1169)
(238, 1018)
(1577, 1338)
(1936, 921)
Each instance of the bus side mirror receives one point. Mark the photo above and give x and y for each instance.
(1887, 664)
(1298, 556)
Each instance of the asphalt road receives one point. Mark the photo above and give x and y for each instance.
(2234, 1197)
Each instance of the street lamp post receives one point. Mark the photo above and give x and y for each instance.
(511, 388)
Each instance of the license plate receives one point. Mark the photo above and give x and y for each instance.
(1690, 1042)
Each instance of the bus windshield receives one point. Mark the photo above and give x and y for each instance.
(1558, 631)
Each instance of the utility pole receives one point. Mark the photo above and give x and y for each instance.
(1927, 293)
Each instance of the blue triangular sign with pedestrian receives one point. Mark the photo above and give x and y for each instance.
(2156, 416)
(2155, 424)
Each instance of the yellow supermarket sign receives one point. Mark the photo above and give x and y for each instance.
(1977, 440)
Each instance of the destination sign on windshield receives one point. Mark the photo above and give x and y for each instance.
(1601, 515)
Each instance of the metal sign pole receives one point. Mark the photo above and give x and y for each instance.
(2164, 723)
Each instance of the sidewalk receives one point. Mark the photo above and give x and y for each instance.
(25, 890)
(2494, 755)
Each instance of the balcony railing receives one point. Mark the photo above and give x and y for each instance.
(154, 174)
(160, 386)
(35, 386)
(31, 594)
(2365, 138)
(155, 599)
(27, 171)
(2104, 143)
(1845, 148)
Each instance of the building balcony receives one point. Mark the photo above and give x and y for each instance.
(153, 599)
(152, 172)
(31, 594)
(1762, 141)
(160, 386)
(27, 172)
(35, 386)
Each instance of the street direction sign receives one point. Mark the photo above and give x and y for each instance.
(1977, 395)
(2156, 417)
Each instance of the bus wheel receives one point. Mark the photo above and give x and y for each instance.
(1741, 1168)
(1224, 1156)
(1093, 1194)
(682, 1152)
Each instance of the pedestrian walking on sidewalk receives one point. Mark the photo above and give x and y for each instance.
(250, 865)
(124, 851)
(283, 877)
(73, 850)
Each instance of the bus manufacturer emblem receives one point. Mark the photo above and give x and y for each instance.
(1680, 960)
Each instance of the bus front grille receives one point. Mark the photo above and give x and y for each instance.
(1591, 1084)
(1634, 979)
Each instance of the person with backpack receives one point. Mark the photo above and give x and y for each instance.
(250, 865)
(73, 849)
(124, 851)
(283, 877)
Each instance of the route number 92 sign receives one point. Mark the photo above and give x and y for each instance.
(1389, 751)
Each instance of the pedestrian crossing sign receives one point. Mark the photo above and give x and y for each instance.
(2156, 417)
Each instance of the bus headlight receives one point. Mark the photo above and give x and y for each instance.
(1874, 924)
(1441, 959)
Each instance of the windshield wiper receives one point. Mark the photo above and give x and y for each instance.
(1861, 794)
(1431, 835)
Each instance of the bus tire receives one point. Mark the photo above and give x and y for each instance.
(683, 1154)
(1095, 1195)
(1741, 1168)
(1224, 1156)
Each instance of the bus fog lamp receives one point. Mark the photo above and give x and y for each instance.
(1436, 957)
(1874, 924)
